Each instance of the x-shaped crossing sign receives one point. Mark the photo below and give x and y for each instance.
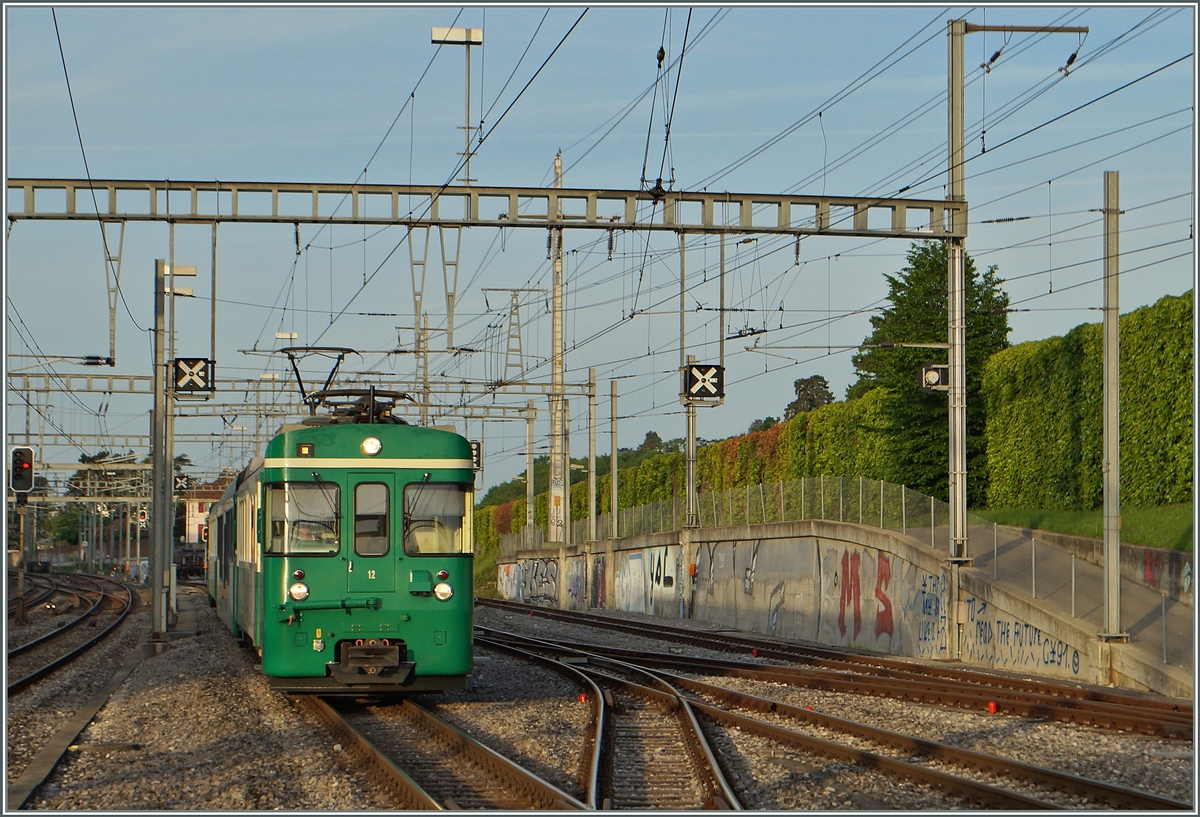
(193, 374)
(705, 381)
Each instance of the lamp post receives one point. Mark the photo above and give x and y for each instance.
(465, 37)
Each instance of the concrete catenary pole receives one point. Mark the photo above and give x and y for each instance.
(956, 292)
(612, 470)
(530, 416)
(591, 535)
(956, 329)
(1112, 409)
(160, 474)
(558, 455)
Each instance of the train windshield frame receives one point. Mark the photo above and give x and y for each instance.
(438, 518)
(304, 518)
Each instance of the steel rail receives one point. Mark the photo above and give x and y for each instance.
(916, 689)
(590, 773)
(978, 793)
(973, 791)
(538, 792)
(46, 591)
(720, 795)
(407, 793)
(543, 794)
(1117, 717)
(1115, 796)
(22, 683)
(59, 631)
(843, 661)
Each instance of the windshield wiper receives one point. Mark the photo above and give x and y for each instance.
(412, 504)
(331, 498)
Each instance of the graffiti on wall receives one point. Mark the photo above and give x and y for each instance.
(775, 605)
(748, 574)
(531, 580)
(576, 583)
(875, 600)
(598, 582)
(664, 586)
(850, 592)
(926, 613)
(631, 584)
(995, 638)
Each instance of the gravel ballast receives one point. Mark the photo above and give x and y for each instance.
(211, 735)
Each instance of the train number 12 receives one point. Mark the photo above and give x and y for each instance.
(370, 574)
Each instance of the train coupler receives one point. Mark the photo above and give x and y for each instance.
(371, 659)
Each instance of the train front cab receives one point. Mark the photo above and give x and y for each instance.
(366, 581)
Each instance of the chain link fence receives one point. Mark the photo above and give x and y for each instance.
(844, 499)
(1162, 626)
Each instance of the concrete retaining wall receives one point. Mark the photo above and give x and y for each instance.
(1168, 571)
(832, 583)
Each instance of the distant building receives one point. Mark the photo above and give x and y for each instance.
(196, 504)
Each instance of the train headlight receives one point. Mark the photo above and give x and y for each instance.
(443, 591)
(371, 446)
(298, 591)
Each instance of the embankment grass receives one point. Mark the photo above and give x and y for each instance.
(1166, 526)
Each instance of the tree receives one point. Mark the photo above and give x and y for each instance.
(811, 393)
(763, 424)
(916, 425)
(653, 442)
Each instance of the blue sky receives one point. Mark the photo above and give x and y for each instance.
(308, 94)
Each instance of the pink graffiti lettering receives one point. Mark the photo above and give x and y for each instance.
(851, 592)
(883, 577)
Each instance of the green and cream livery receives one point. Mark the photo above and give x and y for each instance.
(344, 555)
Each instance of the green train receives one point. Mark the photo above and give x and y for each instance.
(344, 556)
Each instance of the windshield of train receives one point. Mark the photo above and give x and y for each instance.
(304, 518)
(437, 519)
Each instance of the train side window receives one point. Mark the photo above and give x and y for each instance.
(277, 521)
(437, 519)
(371, 519)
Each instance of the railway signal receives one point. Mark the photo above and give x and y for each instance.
(193, 374)
(703, 380)
(935, 377)
(21, 475)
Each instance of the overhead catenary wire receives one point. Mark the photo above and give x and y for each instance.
(468, 155)
(88, 171)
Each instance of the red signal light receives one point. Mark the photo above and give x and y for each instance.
(21, 472)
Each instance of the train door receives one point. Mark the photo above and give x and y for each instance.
(371, 556)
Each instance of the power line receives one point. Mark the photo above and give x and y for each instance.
(87, 170)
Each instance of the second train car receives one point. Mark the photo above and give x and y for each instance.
(344, 556)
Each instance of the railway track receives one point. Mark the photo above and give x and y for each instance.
(38, 589)
(658, 755)
(655, 755)
(426, 763)
(106, 609)
(874, 675)
(975, 777)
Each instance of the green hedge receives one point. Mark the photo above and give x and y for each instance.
(1044, 434)
(1045, 410)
